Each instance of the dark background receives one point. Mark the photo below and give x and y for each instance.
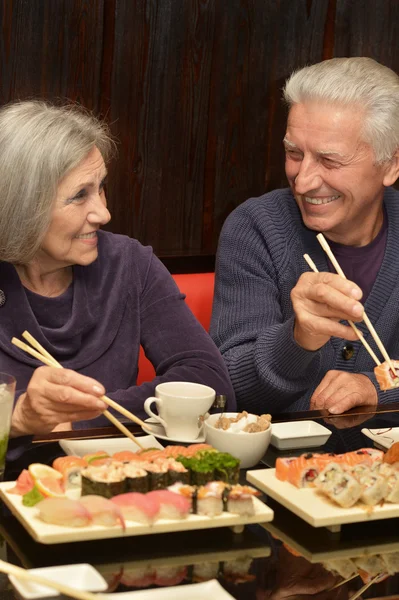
(192, 91)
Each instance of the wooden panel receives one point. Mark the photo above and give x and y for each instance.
(192, 89)
(51, 49)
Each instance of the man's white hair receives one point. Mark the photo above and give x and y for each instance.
(359, 82)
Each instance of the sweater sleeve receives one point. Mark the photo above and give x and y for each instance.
(268, 369)
(175, 342)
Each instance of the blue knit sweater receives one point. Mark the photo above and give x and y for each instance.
(259, 261)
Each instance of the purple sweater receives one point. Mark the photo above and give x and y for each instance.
(124, 299)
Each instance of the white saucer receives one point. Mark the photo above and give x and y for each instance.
(158, 431)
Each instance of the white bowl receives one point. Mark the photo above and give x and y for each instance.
(248, 447)
(80, 577)
(299, 434)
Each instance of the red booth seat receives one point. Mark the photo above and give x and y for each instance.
(198, 288)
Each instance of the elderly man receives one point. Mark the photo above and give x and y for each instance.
(281, 328)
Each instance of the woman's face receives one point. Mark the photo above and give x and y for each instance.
(80, 208)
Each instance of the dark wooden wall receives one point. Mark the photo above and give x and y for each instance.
(192, 91)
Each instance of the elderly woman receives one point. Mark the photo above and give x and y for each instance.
(89, 297)
(279, 326)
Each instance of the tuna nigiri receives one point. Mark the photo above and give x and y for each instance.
(172, 506)
(63, 511)
(138, 507)
(103, 511)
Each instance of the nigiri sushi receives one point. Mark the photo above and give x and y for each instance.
(211, 497)
(138, 507)
(240, 499)
(172, 506)
(63, 511)
(103, 511)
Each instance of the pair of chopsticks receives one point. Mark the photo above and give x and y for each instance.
(10, 569)
(324, 244)
(45, 357)
(362, 589)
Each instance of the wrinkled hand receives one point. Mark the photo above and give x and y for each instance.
(55, 396)
(320, 301)
(339, 391)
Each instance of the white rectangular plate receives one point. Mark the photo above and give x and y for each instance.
(314, 508)
(56, 534)
(110, 445)
(384, 436)
(195, 591)
(299, 434)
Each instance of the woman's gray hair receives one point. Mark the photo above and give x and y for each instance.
(39, 144)
(360, 82)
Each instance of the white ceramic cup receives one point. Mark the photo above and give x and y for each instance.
(180, 405)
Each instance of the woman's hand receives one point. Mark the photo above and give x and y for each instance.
(320, 301)
(55, 396)
(339, 391)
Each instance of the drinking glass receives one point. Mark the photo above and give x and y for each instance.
(7, 393)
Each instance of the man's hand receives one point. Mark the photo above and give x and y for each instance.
(339, 391)
(320, 301)
(55, 396)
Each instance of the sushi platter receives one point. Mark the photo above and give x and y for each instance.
(55, 534)
(315, 509)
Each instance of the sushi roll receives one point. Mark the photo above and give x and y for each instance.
(202, 469)
(339, 486)
(188, 491)
(137, 480)
(240, 500)
(172, 506)
(392, 481)
(70, 467)
(157, 475)
(227, 467)
(371, 565)
(97, 458)
(375, 488)
(211, 498)
(103, 480)
(138, 507)
(176, 471)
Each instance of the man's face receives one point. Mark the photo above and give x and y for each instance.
(332, 172)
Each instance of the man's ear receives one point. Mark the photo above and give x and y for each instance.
(392, 170)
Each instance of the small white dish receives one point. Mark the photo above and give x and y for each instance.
(82, 577)
(157, 430)
(383, 437)
(299, 434)
(110, 445)
(194, 591)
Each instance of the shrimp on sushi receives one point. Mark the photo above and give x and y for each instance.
(385, 378)
(64, 511)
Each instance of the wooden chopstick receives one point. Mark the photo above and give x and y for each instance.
(10, 569)
(355, 329)
(48, 360)
(324, 244)
(365, 587)
(337, 585)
